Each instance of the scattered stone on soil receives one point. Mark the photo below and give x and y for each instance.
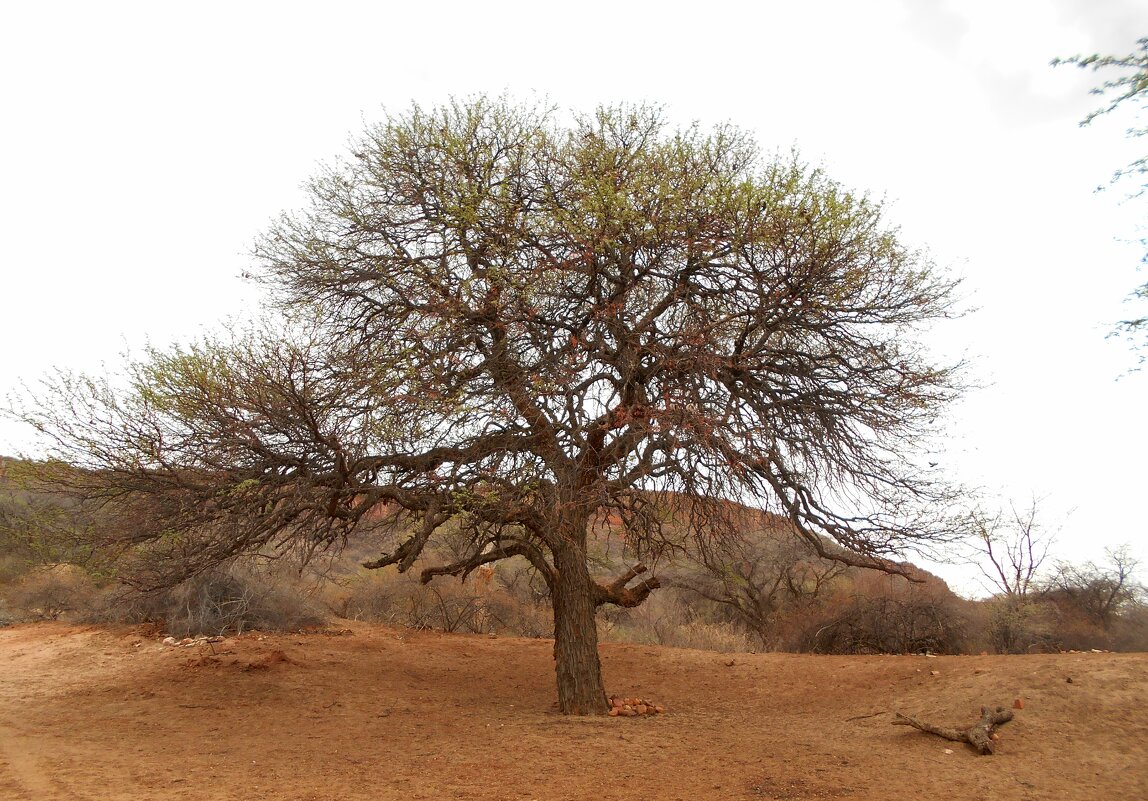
(187, 642)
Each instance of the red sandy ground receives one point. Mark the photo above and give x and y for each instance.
(382, 713)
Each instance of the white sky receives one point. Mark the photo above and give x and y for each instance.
(143, 146)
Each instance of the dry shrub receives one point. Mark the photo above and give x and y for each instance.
(386, 596)
(445, 604)
(50, 591)
(758, 581)
(1130, 631)
(1017, 625)
(371, 596)
(697, 634)
(235, 597)
(522, 618)
(653, 623)
(12, 568)
(1126, 630)
(705, 636)
(1076, 631)
(889, 614)
(667, 619)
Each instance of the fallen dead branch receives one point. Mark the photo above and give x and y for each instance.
(981, 735)
(865, 717)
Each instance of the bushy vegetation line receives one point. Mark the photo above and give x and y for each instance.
(766, 591)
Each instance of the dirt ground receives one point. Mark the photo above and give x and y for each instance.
(369, 712)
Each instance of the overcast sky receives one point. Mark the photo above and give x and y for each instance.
(144, 145)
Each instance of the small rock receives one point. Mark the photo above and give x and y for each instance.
(1018, 703)
(1068, 679)
(170, 641)
(934, 673)
(948, 750)
(613, 712)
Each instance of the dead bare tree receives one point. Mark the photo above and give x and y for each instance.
(510, 325)
(1014, 550)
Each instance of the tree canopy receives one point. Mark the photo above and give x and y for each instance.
(492, 321)
(1130, 87)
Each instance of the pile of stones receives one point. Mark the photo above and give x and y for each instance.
(632, 707)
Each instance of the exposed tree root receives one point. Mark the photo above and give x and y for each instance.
(979, 735)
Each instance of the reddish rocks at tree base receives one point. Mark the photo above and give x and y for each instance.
(633, 707)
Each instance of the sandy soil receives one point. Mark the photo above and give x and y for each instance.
(370, 712)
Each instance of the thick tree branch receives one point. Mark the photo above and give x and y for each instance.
(464, 567)
(619, 594)
(979, 735)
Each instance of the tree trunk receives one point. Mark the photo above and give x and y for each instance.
(580, 687)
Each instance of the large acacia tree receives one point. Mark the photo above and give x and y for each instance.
(506, 326)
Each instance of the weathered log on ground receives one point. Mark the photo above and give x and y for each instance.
(979, 735)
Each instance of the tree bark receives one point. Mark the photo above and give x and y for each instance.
(580, 687)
